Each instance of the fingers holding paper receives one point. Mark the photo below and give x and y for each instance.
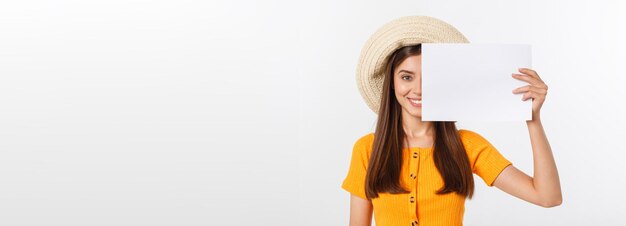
(536, 90)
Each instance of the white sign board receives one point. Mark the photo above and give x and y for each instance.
(473, 82)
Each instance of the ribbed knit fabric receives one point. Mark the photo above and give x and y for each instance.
(420, 176)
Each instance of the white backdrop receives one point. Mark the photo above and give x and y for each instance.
(245, 112)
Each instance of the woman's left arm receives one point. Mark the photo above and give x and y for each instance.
(544, 188)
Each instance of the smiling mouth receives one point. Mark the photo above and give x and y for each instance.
(416, 102)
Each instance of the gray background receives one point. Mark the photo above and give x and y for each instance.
(245, 112)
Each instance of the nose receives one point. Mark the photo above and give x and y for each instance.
(418, 85)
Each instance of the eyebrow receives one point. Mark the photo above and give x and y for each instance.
(406, 72)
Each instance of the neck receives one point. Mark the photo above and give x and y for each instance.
(415, 127)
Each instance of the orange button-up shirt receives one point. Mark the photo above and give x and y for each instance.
(420, 176)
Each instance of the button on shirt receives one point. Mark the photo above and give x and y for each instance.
(420, 176)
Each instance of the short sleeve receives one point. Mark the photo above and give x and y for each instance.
(486, 161)
(354, 182)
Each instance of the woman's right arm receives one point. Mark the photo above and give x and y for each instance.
(360, 211)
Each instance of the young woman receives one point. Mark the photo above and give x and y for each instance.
(414, 172)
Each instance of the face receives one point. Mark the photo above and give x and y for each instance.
(408, 85)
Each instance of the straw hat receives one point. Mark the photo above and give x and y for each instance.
(403, 31)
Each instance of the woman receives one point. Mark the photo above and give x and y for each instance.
(414, 172)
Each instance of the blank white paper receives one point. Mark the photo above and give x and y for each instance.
(473, 82)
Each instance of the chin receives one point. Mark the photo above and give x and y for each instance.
(415, 112)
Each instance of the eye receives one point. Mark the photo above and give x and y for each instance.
(405, 76)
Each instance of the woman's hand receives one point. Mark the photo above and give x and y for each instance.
(537, 90)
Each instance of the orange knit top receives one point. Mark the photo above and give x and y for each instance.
(420, 176)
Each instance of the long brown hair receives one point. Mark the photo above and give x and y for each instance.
(383, 172)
